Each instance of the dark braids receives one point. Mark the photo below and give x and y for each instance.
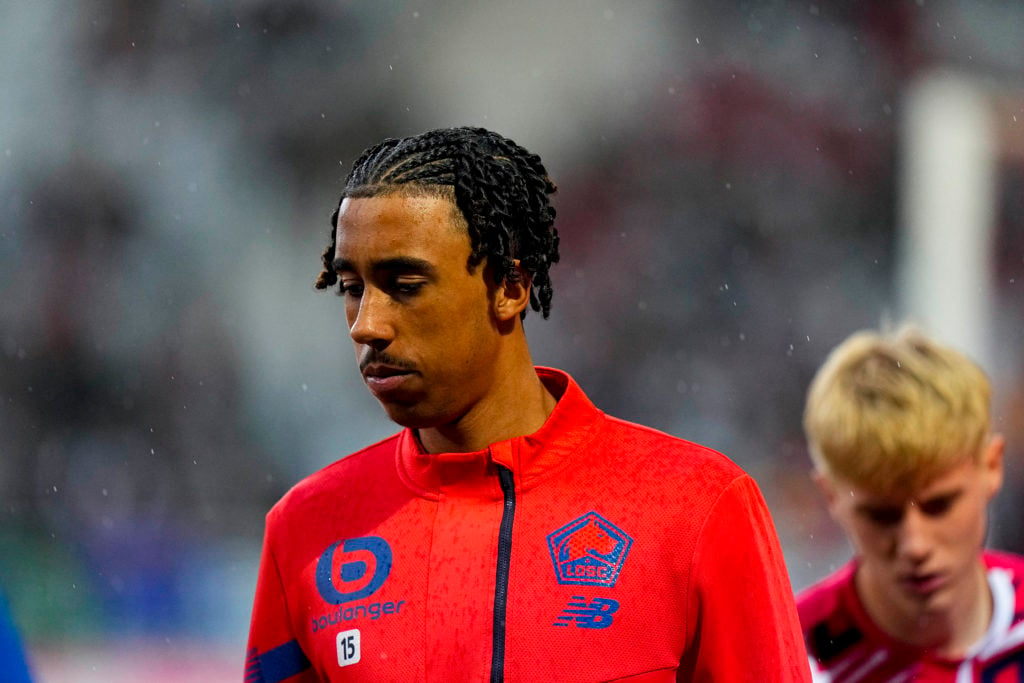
(500, 188)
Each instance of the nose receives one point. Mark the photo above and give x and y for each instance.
(914, 537)
(370, 320)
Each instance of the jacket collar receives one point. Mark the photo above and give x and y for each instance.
(570, 426)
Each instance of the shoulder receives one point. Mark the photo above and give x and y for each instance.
(632, 446)
(1010, 568)
(822, 601)
(996, 559)
(654, 448)
(828, 622)
(327, 481)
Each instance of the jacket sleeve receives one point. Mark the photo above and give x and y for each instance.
(273, 653)
(741, 610)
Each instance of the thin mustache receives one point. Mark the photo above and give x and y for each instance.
(384, 359)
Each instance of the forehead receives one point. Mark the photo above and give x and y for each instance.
(955, 477)
(391, 225)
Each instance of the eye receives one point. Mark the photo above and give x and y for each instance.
(936, 507)
(884, 516)
(352, 288)
(407, 287)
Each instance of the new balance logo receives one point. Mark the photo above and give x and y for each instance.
(595, 614)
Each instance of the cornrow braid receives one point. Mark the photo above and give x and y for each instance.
(501, 189)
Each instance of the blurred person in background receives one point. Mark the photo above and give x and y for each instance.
(511, 530)
(899, 430)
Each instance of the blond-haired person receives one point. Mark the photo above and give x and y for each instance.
(899, 431)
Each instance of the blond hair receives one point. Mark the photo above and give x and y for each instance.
(890, 412)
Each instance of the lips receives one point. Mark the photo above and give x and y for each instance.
(384, 379)
(923, 584)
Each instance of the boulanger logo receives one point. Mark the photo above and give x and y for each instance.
(363, 566)
(589, 551)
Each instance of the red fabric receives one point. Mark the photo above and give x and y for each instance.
(845, 645)
(701, 592)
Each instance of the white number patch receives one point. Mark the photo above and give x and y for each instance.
(348, 647)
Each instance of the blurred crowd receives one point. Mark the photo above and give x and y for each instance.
(727, 206)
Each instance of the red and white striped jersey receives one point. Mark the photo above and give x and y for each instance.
(845, 646)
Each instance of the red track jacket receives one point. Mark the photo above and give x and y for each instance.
(591, 550)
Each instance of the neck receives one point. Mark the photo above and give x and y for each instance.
(516, 404)
(949, 631)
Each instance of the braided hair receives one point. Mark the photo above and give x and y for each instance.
(500, 188)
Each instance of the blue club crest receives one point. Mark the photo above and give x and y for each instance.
(589, 551)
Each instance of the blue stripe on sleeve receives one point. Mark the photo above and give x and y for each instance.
(277, 664)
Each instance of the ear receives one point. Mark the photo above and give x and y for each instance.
(992, 463)
(513, 293)
(827, 488)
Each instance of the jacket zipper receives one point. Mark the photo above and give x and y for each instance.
(508, 488)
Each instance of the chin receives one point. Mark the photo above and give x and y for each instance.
(413, 416)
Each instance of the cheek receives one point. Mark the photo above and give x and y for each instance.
(868, 538)
(351, 310)
(969, 526)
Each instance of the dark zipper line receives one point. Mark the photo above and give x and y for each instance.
(508, 488)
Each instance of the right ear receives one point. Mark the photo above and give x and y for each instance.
(826, 486)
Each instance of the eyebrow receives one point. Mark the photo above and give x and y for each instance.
(403, 264)
(950, 493)
(869, 507)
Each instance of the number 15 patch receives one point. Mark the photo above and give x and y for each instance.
(348, 647)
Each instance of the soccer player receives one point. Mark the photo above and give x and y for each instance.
(900, 435)
(511, 530)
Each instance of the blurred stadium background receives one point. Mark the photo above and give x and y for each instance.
(741, 186)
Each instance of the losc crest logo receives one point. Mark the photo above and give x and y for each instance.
(362, 567)
(589, 551)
